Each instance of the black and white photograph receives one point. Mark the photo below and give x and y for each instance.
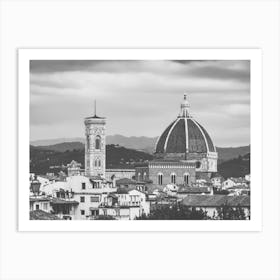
(140, 140)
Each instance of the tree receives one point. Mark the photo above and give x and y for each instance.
(175, 212)
(226, 212)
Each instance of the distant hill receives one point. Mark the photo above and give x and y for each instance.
(145, 144)
(63, 147)
(237, 167)
(43, 160)
(141, 143)
(228, 153)
(48, 142)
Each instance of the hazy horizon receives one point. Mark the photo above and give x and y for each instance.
(140, 98)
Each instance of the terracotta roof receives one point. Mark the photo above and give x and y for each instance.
(184, 189)
(216, 200)
(42, 215)
(63, 201)
(92, 178)
(34, 199)
(238, 180)
(202, 176)
(122, 191)
(125, 181)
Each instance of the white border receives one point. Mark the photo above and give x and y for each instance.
(254, 55)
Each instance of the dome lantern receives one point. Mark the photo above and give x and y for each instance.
(185, 105)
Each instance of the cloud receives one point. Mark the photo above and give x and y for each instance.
(139, 97)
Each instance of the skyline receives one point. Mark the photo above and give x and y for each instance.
(132, 94)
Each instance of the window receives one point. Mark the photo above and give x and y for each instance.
(83, 186)
(37, 207)
(145, 176)
(82, 199)
(160, 179)
(173, 178)
(97, 142)
(82, 212)
(94, 212)
(186, 179)
(94, 199)
(99, 162)
(45, 206)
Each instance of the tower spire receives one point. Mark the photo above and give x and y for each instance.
(95, 107)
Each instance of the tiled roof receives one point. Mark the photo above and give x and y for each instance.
(184, 189)
(216, 200)
(37, 199)
(237, 180)
(122, 191)
(125, 181)
(42, 215)
(202, 176)
(92, 178)
(63, 201)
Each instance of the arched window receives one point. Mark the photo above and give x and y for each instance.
(186, 179)
(173, 178)
(95, 162)
(139, 176)
(160, 179)
(97, 142)
(99, 162)
(145, 176)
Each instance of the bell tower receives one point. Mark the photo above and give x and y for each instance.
(95, 145)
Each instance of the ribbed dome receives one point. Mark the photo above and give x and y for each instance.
(184, 135)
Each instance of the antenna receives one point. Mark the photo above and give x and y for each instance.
(94, 107)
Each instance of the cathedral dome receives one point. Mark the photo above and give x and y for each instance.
(184, 135)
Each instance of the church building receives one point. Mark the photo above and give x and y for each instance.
(183, 152)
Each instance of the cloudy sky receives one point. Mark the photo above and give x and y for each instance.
(140, 98)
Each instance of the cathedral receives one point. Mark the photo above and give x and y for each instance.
(183, 152)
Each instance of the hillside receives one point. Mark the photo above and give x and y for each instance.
(63, 147)
(144, 144)
(228, 153)
(237, 167)
(43, 160)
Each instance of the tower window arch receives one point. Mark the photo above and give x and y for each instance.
(186, 178)
(145, 176)
(160, 179)
(98, 142)
(173, 178)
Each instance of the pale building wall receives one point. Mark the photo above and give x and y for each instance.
(167, 169)
(41, 205)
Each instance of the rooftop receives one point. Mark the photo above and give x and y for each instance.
(42, 215)
(216, 200)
